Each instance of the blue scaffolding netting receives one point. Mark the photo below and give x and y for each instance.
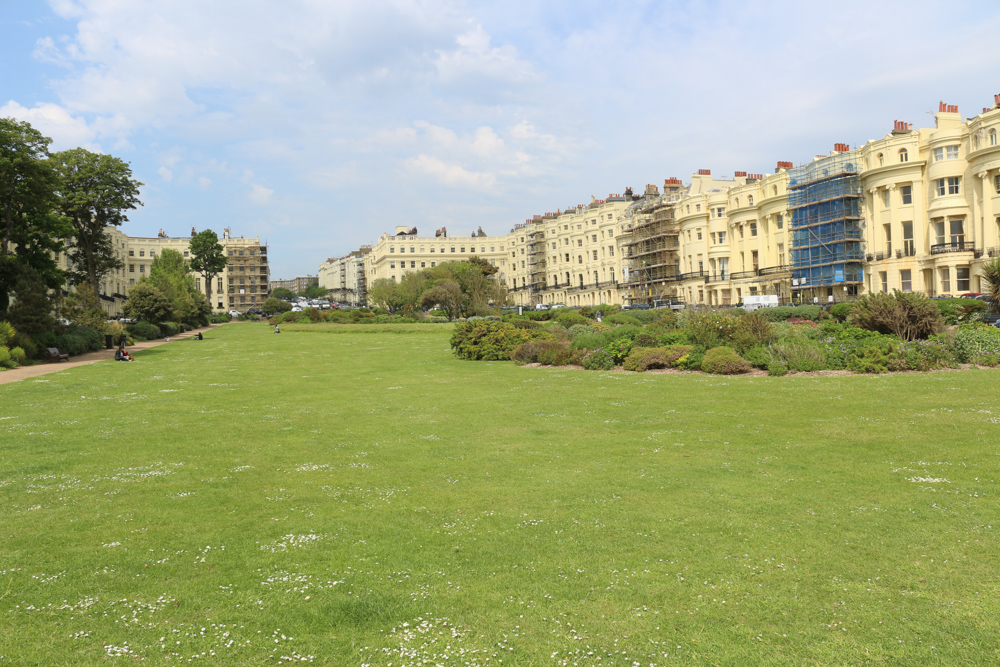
(825, 201)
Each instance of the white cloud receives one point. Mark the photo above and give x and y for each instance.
(56, 122)
(204, 182)
(260, 195)
(165, 174)
(450, 174)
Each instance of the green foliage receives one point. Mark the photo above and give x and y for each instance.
(724, 361)
(32, 312)
(170, 273)
(144, 331)
(841, 310)
(79, 340)
(6, 361)
(282, 293)
(147, 302)
(801, 355)
(315, 292)
(777, 369)
(674, 353)
(446, 295)
(588, 341)
(782, 313)
(645, 358)
(991, 277)
(83, 309)
(645, 339)
(272, 305)
(619, 349)
(568, 318)
(664, 320)
(751, 330)
(707, 328)
(545, 352)
(908, 315)
(692, 360)
(18, 355)
(598, 360)
(168, 328)
(7, 332)
(972, 341)
(207, 257)
(961, 311)
(624, 318)
(490, 341)
(95, 191)
(675, 337)
(759, 356)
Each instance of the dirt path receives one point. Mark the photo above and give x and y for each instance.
(24, 372)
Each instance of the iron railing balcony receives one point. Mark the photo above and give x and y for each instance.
(954, 246)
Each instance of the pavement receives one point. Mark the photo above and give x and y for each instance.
(44, 368)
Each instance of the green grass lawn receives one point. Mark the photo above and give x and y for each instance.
(366, 498)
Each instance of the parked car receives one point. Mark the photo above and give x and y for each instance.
(541, 306)
(234, 313)
(754, 301)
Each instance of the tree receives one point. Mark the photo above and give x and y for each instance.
(384, 293)
(207, 258)
(170, 274)
(95, 191)
(83, 309)
(147, 302)
(272, 305)
(908, 315)
(31, 228)
(283, 293)
(314, 292)
(447, 295)
(991, 273)
(32, 312)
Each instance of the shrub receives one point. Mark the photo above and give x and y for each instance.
(777, 369)
(168, 328)
(782, 313)
(644, 358)
(28, 344)
(5, 359)
(220, 318)
(973, 341)
(579, 329)
(840, 311)
(907, 315)
(598, 360)
(619, 349)
(629, 331)
(568, 318)
(676, 337)
(623, 318)
(664, 320)
(79, 340)
(588, 341)
(692, 360)
(18, 355)
(961, 311)
(525, 324)
(489, 340)
(646, 340)
(708, 329)
(800, 356)
(546, 352)
(751, 330)
(7, 332)
(759, 356)
(144, 331)
(724, 361)
(558, 332)
(675, 352)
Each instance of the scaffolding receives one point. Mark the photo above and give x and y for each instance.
(824, 198)
(652, 258)
(536, 259)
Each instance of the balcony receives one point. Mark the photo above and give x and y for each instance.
(693, 274)
(954, 246)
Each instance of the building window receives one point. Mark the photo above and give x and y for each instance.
(391, 249)
(904, 155)
(749, 200)
(142, 268)
(131, 253)
(719, 212)
(413, 248)
(946, 153)
(908, 247)
(881, 159)
(712, 235)
(698, 232)
(906, 193)
(883, 277)
(953, 185)
(423, 265)
(993, 137)
(594, 238)
(740, 227)
(753, 229)
(781, 221)
(595, 254)
(906, 284)
(392, 265)
(722, 237)
(579, 259)
(413, 264)
(962, 278)
(131, 281)
(885, 198)
(945, 280)
(142, 253)
(611, 251)
(996, 183)
(453, 248)
(957, 231)
(131, 268)
(579, 243)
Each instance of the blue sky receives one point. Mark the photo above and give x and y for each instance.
(318, 125)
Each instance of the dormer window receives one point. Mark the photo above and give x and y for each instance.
(904, 155)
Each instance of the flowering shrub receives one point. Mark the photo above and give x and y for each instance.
(961, 311)
(619, 349)
(598, 360)
(676, 352)
(490, 341)
(973, 341)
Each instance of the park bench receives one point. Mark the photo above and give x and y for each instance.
(56, 355)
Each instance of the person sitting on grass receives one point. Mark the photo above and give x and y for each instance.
(276, 329)
(122, 355)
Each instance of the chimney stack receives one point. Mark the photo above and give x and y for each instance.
(704, 172)
(841, 148)
(783, 165)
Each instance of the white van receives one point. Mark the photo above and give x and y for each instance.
(755, 301)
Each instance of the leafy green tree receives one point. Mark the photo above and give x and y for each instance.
(314, 292)
(31, 228)
(95, 191)
(207, 258)
(283, 293)
(32, 311)
(272, 305)
(170, 274)
(908, 315)
(147, 302)
(384, 293)
(991, 272)
(82, 308)
(447, 295)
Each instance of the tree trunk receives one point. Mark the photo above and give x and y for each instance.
(208, 291)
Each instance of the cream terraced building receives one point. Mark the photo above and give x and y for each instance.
(242, 284)
(344, 277)
(919, 210)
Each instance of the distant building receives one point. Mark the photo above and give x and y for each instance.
(344, 277)
(298, 284)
